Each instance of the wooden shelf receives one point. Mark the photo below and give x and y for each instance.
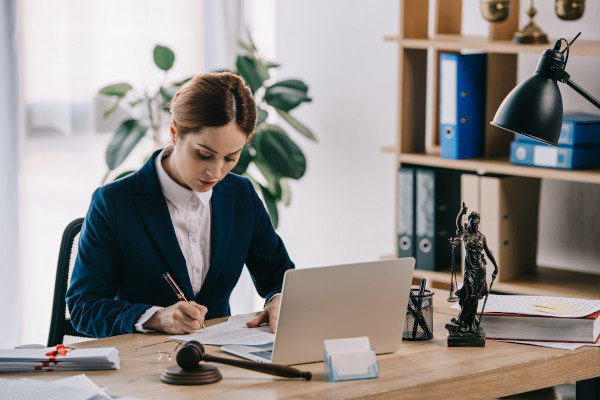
(458, 42)
(544, 282)
(501, 166)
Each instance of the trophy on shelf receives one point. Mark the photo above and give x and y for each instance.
(495, 10)
(465, 330)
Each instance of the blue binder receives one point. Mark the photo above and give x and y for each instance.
(462, 104)
(405, 208)
(542, 155)
(578, 129)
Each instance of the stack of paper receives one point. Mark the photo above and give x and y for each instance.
(49, 359)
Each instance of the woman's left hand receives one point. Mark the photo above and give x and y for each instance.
(269, 314)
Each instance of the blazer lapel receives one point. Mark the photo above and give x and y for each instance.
(155, 216)
(222, 204)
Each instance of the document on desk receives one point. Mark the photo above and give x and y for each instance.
(233, 331)
(53, 359)
(553, 345)
(561, 307)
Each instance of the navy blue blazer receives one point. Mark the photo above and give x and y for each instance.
(128, 242)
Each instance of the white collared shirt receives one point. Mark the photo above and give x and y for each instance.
(190, 215)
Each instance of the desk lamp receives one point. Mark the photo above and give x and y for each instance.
(534, 107)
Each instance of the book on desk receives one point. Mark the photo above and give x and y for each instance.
(540, 318)
(502, 326)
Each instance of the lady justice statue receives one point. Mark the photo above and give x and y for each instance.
(465, 329)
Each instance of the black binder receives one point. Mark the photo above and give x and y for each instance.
(405, 208)
(437, 202)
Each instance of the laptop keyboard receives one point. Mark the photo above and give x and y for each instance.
(267, 354)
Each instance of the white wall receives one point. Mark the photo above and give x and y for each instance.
(569, 228)
(342, 209)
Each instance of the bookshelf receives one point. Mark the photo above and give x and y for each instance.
(417, 141)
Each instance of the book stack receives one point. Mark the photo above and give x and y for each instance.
(578, 146)
(59, 358)
(540, 318)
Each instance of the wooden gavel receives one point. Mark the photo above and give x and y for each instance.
(193, 352)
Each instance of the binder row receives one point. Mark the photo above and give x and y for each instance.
(429, 199)
(427, 203)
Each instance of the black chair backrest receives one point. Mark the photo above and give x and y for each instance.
(60, 324)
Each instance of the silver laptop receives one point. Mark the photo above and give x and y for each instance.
(342, 301)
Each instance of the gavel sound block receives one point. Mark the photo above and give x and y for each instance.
(189, 370)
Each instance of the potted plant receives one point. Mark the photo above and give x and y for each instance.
(269, 161)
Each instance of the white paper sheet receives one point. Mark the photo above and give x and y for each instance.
(233, 331)
(554, 345)
(73, 388)
(533, 305)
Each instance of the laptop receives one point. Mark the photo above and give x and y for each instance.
(342, 301)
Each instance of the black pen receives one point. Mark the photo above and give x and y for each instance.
(418, 310)
(178, 292)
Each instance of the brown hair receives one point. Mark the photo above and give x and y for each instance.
(214, 99)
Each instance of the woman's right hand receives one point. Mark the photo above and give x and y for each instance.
(179, 318)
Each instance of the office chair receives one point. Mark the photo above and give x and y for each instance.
(61, 329)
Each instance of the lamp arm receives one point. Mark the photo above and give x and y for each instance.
(564, 77)
(582, 92)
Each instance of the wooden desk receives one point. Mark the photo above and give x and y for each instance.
(428, 370)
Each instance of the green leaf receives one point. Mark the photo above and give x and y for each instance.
(252, 71)
(123, 175)
(293, 84)
(285, 98)
(248, 47)
(297, 125)
(286, 193)
(167, 94)
(125, 139)
(135, 102)
(274, 147)
(183, 82)
(163, 57)
(272, 179)
(262, 115)
(271, 205)
(271, 64)
(243, 162)
(112, 108)
(117, 89)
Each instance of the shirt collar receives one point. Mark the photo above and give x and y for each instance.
(173, 191)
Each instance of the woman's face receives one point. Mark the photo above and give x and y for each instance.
(200, 160)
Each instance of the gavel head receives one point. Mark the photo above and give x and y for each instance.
(190, 355)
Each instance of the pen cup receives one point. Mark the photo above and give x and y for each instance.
(418, 324)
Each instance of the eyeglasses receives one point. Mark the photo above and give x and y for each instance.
(158, 352)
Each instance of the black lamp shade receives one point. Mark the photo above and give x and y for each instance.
(533, 108)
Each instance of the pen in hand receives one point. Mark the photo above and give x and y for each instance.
(178, 292)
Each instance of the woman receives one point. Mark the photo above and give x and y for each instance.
(474, 285)
(183, 213)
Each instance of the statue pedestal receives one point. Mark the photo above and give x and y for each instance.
(459, 338)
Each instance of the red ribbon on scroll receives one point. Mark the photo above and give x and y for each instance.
(60, 349)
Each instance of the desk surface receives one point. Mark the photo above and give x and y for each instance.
(427, 369)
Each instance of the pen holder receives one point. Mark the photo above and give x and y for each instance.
(418, 324)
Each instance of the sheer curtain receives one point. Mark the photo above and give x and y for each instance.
(10, 313)
(71, 49)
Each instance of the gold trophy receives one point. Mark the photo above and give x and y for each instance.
(531, 33)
